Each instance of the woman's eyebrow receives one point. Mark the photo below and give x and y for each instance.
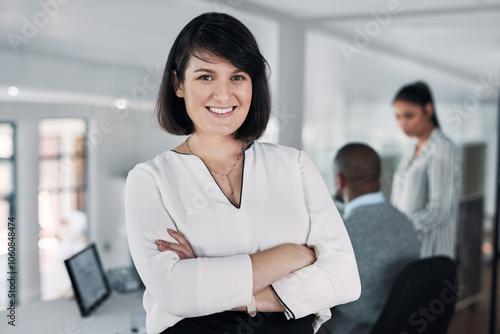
(203, 70)
(212, 71)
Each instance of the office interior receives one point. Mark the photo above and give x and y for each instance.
(79, 79)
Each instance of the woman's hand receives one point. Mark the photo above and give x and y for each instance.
(183, 248)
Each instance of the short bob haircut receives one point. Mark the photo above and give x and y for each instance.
(420, 94)
(223, 36)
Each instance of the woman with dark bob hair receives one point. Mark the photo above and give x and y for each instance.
(231, 235)
(426, 185)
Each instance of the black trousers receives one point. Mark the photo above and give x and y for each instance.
(236, 322)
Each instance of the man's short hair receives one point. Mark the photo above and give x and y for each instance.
(358, 163)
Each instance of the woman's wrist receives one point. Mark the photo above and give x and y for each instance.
(267, 301)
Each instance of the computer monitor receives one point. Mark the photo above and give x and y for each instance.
(88, 279)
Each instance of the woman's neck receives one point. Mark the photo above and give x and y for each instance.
(215, 147)
(422, 139)
(424, 136)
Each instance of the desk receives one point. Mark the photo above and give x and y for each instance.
(61, 316)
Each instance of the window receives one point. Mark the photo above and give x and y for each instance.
(7, 200)
(62, 213)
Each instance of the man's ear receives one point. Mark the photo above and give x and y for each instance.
(339, 182)
(177, 85)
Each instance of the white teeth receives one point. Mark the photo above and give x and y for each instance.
(220, 110)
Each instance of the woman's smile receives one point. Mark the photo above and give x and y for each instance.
(221, 111)
(217, 95)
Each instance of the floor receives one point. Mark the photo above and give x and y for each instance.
(476, 319)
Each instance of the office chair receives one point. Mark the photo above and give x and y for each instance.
(421, 300)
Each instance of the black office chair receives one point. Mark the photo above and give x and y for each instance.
(421, 300)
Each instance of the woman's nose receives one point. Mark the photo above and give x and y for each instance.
(222, 92)
(401, 123)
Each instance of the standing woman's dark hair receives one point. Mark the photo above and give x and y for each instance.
(225, 37)
(420, 94)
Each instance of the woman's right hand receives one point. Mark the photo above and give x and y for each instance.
(182, 248)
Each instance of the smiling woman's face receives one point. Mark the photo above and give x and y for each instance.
(216, 93)
(412, 118)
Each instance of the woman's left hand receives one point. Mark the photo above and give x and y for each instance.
(183, 248)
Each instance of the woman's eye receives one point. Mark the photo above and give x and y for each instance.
(205, 78)
(238, 78)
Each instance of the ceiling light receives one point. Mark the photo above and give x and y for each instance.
(121, 103)
(13, 91)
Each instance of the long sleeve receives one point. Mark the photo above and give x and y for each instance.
(283, 199)
(333, 279)
(184, 288)
(443, 174)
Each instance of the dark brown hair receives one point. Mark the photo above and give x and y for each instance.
(420, 94)
(223, 36)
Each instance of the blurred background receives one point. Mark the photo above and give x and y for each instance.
(79, 79)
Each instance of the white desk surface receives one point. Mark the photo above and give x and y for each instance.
(61, 316)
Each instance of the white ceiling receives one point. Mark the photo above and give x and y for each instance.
(459, 39)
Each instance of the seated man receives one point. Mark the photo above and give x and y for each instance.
(383, 239)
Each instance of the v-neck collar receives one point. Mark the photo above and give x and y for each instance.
(210, 173)
(218, 185)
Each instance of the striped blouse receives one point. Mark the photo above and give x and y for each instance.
(427, 189)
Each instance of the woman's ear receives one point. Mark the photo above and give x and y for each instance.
(177, 85)
(429, 109)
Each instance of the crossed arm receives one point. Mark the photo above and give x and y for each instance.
(268, 266)
(179, 286)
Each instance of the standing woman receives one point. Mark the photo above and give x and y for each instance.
(426, 185)
(230, 235)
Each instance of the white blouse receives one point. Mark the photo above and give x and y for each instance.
(284, 199)
(427, 189)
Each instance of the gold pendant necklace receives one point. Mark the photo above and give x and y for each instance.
(226, 175)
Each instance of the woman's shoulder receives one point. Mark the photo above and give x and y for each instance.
(158, 162)
(442, 141)
(272, 148)
(276, 152)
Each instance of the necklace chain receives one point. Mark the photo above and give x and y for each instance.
(226, 175)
